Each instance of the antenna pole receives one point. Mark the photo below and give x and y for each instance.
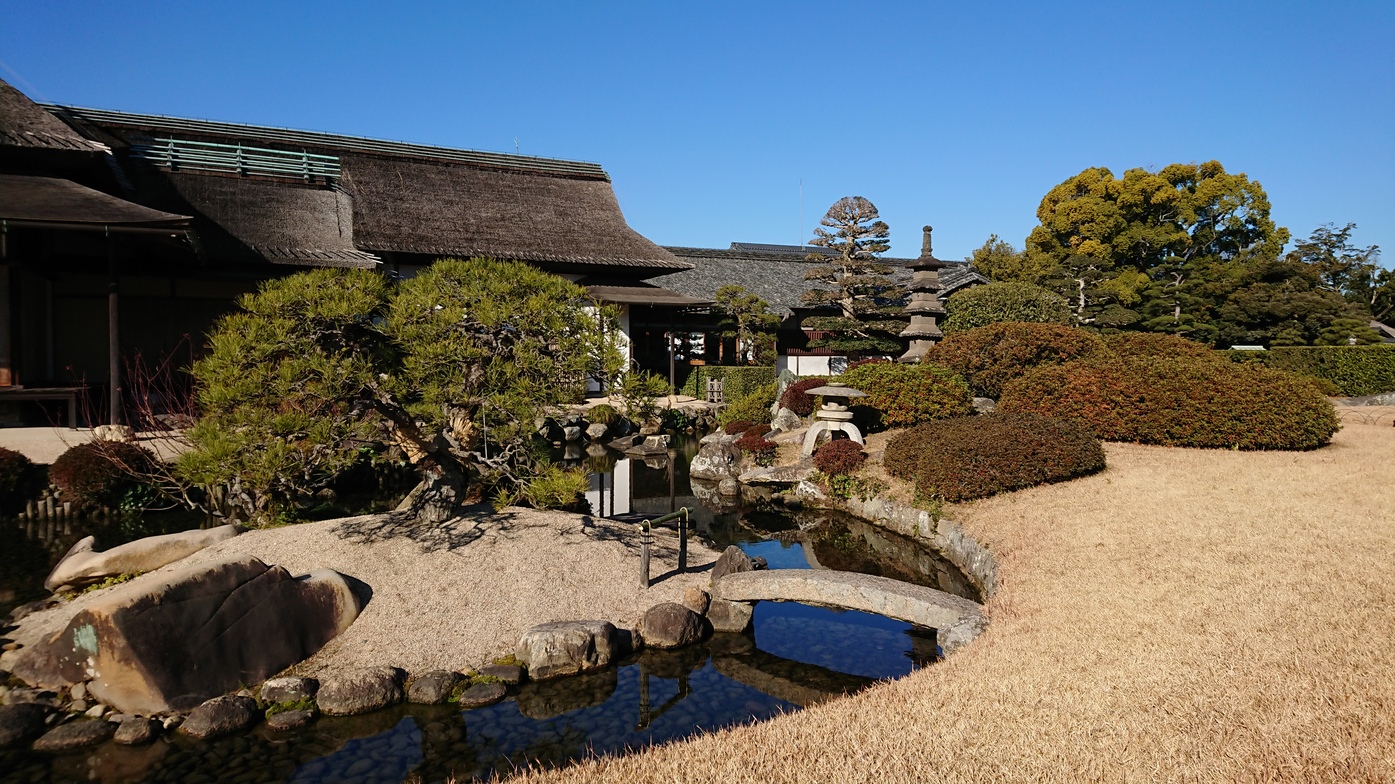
(801, 212)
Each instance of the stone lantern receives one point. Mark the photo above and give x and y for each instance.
(925, 304)
(833, 416)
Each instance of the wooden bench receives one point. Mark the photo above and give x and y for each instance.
(69, 394)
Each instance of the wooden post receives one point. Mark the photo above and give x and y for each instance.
(646, 536)
(113, 333)
(6, 335)
(682, 544)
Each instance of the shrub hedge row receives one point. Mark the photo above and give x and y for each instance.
(1354, 371)
(974, 457)
(980, 306)
(989, 357)
(903, 395)
(737, 380)
(1179, 402)
(1143, 345)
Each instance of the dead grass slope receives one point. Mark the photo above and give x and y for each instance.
(1186, 615)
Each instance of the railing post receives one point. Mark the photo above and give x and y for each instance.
(683, 542)
(646, 536)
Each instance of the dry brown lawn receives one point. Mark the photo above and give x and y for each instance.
(1186, 615)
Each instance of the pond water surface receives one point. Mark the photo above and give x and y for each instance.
(794, 656)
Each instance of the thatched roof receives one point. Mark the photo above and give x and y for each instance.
(446, 209)
(49, 201)
(243, 220)
(24, 123)
(775, 273)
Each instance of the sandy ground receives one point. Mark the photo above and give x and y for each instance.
(45, 444)
(461, 594)
(1185, 615)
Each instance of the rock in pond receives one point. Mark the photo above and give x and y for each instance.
(220, 716)
(83, 565)
(169, 642)
(510, 674)
(135, 730)
(671, 625)
(432, 688)
(22, 723)
(718, 458)
(728, 616)
(75, 735)
(731, 561)
(359, 691)
(289, 689)
(596, 430)
(289, 720)
(551, 650)
(779, 475)
(482, 694)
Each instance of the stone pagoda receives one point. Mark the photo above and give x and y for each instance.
(925, 304)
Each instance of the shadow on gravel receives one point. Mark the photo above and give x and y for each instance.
(476, 522)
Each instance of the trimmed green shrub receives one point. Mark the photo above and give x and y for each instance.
(754, 407)
(737, 380)
(839, 457)
(795, 397)
(1354, 371)
(980, 306)
(101, 473)
(989, 357)
(974, 457)
(1179, 402)
(1144, 345)
(603, 414)
(20, 482)
(905, 395)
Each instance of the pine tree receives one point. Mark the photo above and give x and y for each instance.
(869, 303)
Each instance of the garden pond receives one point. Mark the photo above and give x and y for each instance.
(794, 656)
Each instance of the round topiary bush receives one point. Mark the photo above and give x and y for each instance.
(1180, 402)
(603, 414)
(20, 482)
(980, 306)
(796, 397)
(739, 426)
(1146, 345)
(100, 473)
(905, 395)
(974, 457)
(750, 408)
(989, 357)
(839, 457)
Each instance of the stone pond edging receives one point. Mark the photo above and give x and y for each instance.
(976, 561)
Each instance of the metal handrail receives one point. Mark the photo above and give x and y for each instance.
(191, 155)
(646, 538)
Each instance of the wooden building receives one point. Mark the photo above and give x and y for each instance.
(137, 231)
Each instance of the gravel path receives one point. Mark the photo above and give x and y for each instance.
(458, 594)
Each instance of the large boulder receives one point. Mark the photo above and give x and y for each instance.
(22, 723)
(289, 689)
(551, 650)
(597, 430)
(671, 625)
(726, 616)
(731, 561)
(220, 716)
(166, 644)
(355, 691)
(717, 459)
(83, 565)
(786, 420)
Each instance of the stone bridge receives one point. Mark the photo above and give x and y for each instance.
(956, 620)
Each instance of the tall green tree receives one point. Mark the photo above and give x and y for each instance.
(869, 304)
(1351, 271)
(1002, 263)
(453, 365)
(1152, 249)
(747, 318)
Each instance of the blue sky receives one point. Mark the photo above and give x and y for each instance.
(709, 115)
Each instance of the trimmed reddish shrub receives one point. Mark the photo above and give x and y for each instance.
(20, 482)
(100, 473)
(795, 397)
(905, 395)
(869, 361)
(839, 457)
(974, 457)
(989, 357)
(1180, 402)
(754, 443)
(1145, 345)
(739, 426)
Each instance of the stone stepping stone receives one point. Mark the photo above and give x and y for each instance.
(289, 720)
(75, 735)
(482, 694)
